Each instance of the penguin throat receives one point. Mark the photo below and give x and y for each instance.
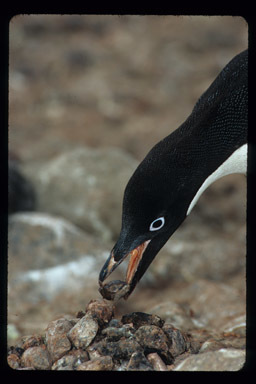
(236, 163)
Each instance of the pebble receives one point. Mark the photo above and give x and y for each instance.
(138, 362)
(96, 340)
(139, 318)
(153, 339)
(37, 358)
(156, 362)
(103, 363)
(221, 360)
(85, 330)
(177, 339)
(56, 338)
(100, 309)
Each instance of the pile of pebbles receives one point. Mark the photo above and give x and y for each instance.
(95, 340)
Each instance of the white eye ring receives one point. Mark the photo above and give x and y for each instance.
(154, 226)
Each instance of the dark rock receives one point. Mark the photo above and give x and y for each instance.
(114, 289)
(139, 318)
(153, 339)
(118, 350)
(176, 338)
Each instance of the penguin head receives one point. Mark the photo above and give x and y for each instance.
(152, 211)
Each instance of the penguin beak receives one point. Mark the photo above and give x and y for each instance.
(136, 260)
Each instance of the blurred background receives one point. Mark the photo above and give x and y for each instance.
(89, 95)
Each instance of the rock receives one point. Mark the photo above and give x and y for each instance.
(100, 309)
(32, 341)
(37, 358)
(103, 363)
(156, 362)
(83, 333)
(91, 181)
(56, 338)
(139, 318)
(153, 339)
(71, 360)
(221, 360)
(177, 339)
(114, 334)
(138, 362)
(13, 360)
(119, 350)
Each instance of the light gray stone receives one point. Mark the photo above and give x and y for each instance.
(221, 360)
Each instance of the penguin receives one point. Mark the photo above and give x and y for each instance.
(210, 144)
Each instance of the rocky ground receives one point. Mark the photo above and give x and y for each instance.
(89, 96)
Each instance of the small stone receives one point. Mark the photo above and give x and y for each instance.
(56, 338)
(139, 318)
(32, 341)
(156, 362)
(37, 358)
(153, 339)
(100, 309)
(118, 350)
(221, 360)
(176, 338)
(103, 363)
(114, 334)
(64, 363)
(13, 361)
(114, 290)
(83, 333)
(138, 362)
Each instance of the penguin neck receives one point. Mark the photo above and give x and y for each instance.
(236, 163)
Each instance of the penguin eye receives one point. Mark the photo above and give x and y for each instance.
(157, 224)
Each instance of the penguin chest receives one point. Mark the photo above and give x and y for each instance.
(236, 163)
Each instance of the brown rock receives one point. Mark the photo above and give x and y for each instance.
(102, 310)
(13, 361)
(37, 358)
(32, 341)
(56, 339)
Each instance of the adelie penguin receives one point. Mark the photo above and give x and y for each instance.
(165, 187)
